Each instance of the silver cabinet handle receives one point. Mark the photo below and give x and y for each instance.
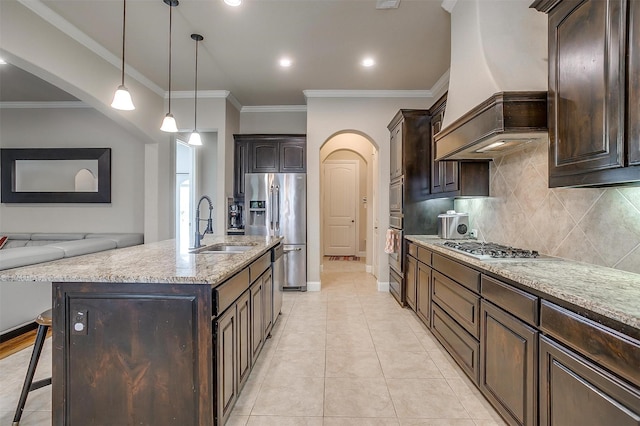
(293, 249)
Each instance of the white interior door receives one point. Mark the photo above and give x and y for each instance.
(340, 207)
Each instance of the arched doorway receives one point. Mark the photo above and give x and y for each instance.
(348, 172)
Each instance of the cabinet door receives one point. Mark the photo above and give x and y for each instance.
(267, 290)
(633, 137)
(423, 304)
(437, 167)
(586, 88)
(508, 365)
(257, 329)
(265, 157)
(292, 157)
(574, 391)
(396, 151)
(244, 338)
(226, 364)
(449, 170)
(240, 167)
(410, 277)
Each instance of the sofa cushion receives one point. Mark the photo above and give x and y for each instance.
(122, 240)
(15, 243)
(18, 235)
(22, 256)
(57, 236)
(78, 247)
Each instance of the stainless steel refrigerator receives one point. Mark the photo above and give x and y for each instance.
(276, 205)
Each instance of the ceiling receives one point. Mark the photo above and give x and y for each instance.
(326, 40)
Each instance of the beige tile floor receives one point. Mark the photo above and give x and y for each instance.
(348, 355)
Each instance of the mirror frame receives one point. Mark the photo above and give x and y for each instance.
(9, 156)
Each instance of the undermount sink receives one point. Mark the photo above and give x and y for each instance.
(223, 248)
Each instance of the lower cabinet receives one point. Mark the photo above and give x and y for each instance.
(267, 284)
(257, 329)
(423, 303)
(574, 391)
(243, 308)
(410, 282)
(508, 365)
(226, 351)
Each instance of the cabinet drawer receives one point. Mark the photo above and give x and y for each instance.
(515, 301)
(462, 346)
(466, 276)
(258, 267)
(615, 351)
(413, 250)
(424, 256)
(461, 304)
(226, 293)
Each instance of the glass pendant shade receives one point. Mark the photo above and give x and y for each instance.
(122, 99)
(169, 124)
(194, 139)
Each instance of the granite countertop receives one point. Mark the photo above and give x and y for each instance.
(160, 262)
(609, 292)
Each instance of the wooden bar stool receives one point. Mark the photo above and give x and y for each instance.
(44, 322)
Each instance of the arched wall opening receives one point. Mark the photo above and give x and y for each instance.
(351, 146)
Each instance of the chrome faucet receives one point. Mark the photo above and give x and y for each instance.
(209, 230)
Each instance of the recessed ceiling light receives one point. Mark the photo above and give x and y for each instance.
(285, 62)
(2, 61)
(368, 62)
(233, 3)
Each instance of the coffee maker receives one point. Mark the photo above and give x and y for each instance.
(235, 216)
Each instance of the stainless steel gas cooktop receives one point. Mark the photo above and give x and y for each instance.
(493, 251)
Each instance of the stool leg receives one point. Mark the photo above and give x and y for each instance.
(35, 356)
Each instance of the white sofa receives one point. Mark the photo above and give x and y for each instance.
(21, 302)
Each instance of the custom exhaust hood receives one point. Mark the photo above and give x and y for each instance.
(504, 122)
(497, 98)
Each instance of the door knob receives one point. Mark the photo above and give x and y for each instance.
(352, 220)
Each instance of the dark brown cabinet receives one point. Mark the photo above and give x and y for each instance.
(411, 274)
(575, 391)
(267, 303)
(589, 94)
(278, 153)
(226, 349)
(508, 365)
(444, 174)
(257, 317)
(243, 308)
(240, 167)
(423, 304)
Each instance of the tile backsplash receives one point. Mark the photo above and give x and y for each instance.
(599, 226)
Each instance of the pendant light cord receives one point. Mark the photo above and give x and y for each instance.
(195, 108)
(170, 21)
(124, 17)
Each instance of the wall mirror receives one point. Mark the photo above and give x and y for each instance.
(55, 175)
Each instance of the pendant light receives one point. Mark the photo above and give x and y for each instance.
(194, 139)
(169, 123)
(122, 98)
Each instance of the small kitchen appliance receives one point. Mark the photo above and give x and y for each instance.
(235, 216)
(452, 225)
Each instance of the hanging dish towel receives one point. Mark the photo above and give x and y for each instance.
(390, 242)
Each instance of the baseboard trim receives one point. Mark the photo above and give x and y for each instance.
(18, 331)
(313, 286)
(383, 286)
(362, 254)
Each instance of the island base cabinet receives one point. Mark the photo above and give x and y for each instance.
(226, 340)
(573, 391)
(244, 339)
(508, 365)
(126, 354)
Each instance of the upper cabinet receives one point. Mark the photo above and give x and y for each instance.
(593, 47)
(267, 154)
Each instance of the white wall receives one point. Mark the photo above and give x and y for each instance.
(496, 45)
(369, 117)
(273, 122)
(77, 128)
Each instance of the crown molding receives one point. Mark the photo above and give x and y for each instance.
(367, 93)
(43, 105)
(202, 94)
(274, 108)
(441, 86)
(449, 5)
(40, 9)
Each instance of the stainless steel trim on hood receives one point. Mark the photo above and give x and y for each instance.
(505, 121)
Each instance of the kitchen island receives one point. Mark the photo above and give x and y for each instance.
(153, 334)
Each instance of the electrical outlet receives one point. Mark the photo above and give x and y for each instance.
(473, 233)
(79, 322)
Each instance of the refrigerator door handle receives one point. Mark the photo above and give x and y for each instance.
(271, 205)
(277, 206)
(293, 249)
